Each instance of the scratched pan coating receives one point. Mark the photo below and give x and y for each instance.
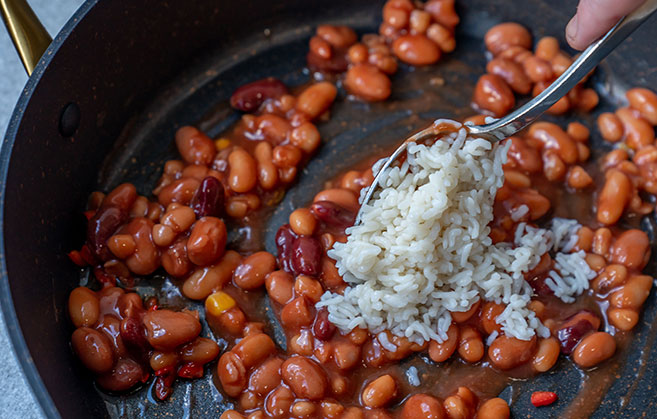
(355, 131)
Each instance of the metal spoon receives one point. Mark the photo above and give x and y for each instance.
(528, 113)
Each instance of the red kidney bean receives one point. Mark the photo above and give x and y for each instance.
(166, 329)
(101, 227)
(306, 256)
(164, 386)
(125, 375)
(323, 329)
(207, 242)
(93, 348)
(250, 96)
(133, 335)
(209, 198)
(333, 214)
(284, 240)
(575, 328)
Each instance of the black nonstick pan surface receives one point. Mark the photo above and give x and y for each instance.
(138, 70)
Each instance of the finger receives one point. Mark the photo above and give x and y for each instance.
(594, 18)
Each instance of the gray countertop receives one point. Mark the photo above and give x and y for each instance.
(16, 399)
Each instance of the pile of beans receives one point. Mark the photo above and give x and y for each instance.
(325, 373)
(515, 69)
(122, 341)
(415, 33)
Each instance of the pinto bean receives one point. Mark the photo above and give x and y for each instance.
(443, 12)
(632, 249)
(253, 270)
(505, 35)
(440, 352)
(242, 176)
(471, 346)
(194, 146)
(337, 36)
(146, 257)
(512, 73)
(175, 260)
(422, 406)
(316, 99)
(417, 50)
(232, 374)
(306, 137)
(633, 293)
(253, 349)
(83, 307)
(507, 352)
(613, 198)
(93, 348)
(645, 102)
(379, 392)
(546, 355)
(305, 377)
(181, 191)
(493, 94)
(207, 242)
(199, 351)
(125, 375)
(594, 349)
(638, 132)
(367, 82)
(203, 281)
(166, 329)
(555, 138)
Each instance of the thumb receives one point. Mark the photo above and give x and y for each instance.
(594, 18)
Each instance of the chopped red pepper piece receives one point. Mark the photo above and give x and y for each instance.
(76, 258)
(87, 255)
(164, 371)
(89, 214)
(163, 386)
(191, 370)
(543, 398)
(104, 278)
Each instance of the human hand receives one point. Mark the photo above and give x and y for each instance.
(594, 18)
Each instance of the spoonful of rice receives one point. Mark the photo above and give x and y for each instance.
(528, 113)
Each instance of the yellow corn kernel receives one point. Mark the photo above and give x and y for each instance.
(222, 143)
(218, 303)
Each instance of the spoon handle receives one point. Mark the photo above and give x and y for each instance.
(587, 61)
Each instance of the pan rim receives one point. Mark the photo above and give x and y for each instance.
(14, 332)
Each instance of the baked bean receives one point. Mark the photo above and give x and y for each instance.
(342, 197)
(253, 349)
(242, 176)
(93, 348)
(232, 414)
(267, 171)
(463, 316)
(331, 410)
(302, 343)
(440, 352)
(203, 281)
(578, 132)
(199, 351)
(537, 69)
(601, 241)
(320, 47)
(121, 245)
(611, 277)
(367, 82)
(638, 132)
(159, 360)
(555, 138)
(232, 321)
(633, 293)
(610, 127)
(494, 409)
(584, 239)
(422, 406)
(337, 36)
(309, 288)
(162, 235)
(253, 270)
(493, 94)
(489, 313)
(517, 179)
(207, 241)
(316, 99)
(194, 146)
(175, 260)
(457, 408)
(181, 191)
(83, 307)
(346, 355)
(305, 377)
(632, 249)
(396, 16)
(273, 128)
(547, 48)
(125, 375)
(179, 219)
(146, 257)
(443, 12)
(583, 152)
(646, 155)
(266, 377)
(442, 36)
(506, 35)
(614, 158)
(623, 318)
(506, 352)
(516, 53)
(232, 374)
(594, 349)
(512, 73)
(416, 50)
(578, 178)
(166, 329)
(547, 354)
(471, 346)
(527, 157)
(379, 392)
(297, 313)
(644, 101)
(303, 409)
(285, 156)
(306, 137)
(560, 107)
(357, 53)
(280, 286)
(613, 198)
(595, 262)
(554, 167)
(303, 222)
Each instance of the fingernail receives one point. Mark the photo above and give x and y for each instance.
(572, 28)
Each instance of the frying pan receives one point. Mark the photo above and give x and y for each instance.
(101, 107)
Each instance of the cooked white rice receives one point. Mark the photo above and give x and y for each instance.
(422, 248)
